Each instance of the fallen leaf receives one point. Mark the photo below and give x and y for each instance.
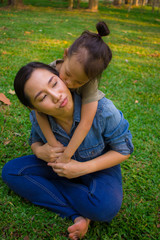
(4, 99)
(26, 238)
(155, 55)
(136, 101)
(103, 87)
(32, 218)
(4, 52)
(126, 60)
(12, 92)
(70, 33)
(26, 33)
(17, 134)
(7, 142)
(140, 201)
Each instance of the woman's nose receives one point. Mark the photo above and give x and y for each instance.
(56, 96)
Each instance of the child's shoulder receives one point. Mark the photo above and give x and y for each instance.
(87, 89)
(90, 86)
(89, 92)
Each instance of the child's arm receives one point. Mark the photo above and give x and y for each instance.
(46, 129)
(88, 112)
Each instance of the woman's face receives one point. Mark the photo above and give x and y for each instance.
(48, 94)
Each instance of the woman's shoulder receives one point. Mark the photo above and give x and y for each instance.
(90, 92)
(106, 105)
(107, 113)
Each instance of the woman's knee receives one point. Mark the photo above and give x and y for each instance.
(14, 167)
(106, 209)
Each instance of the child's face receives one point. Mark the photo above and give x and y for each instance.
(72, 73)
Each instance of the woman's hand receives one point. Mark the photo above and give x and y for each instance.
(75, 169)
(72, 169)
(46, 152)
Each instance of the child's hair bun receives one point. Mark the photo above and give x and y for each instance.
(102, 29)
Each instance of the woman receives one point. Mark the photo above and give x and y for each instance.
(89, 186)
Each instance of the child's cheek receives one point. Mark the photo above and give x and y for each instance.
(65, 82)
(61, 76)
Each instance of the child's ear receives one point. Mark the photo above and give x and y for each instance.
(65, 53)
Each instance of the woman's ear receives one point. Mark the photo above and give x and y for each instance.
(30, 108)
(65, 53)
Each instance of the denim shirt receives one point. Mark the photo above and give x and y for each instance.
(109, 131)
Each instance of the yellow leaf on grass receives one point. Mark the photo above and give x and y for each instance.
(26, 33)
(12, 92)
(4, 52)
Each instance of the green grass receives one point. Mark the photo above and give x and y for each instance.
(131, 82)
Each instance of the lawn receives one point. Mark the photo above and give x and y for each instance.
(131, 81)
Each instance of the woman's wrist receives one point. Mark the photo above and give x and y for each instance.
(36, 147)
(84, 168)
(88, 167)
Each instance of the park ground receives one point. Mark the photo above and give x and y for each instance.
(131, 81)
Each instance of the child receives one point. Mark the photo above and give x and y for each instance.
(81, 69)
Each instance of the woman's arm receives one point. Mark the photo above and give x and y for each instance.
(88, 112)
(75, 169)
(46, 129)
(46, 152)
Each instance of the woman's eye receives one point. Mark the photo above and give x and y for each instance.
(54, 84)
(43, 98)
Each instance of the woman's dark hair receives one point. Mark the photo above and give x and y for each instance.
(22, 77)
(92, 51)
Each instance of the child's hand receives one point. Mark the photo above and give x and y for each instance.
(48, 153)
(63, 159)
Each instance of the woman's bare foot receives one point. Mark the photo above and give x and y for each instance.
(79, 228)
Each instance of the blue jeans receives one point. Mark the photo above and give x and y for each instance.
(97, 196)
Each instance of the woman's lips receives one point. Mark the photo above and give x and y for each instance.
(64, 103)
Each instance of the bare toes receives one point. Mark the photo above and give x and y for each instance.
(73, 236)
